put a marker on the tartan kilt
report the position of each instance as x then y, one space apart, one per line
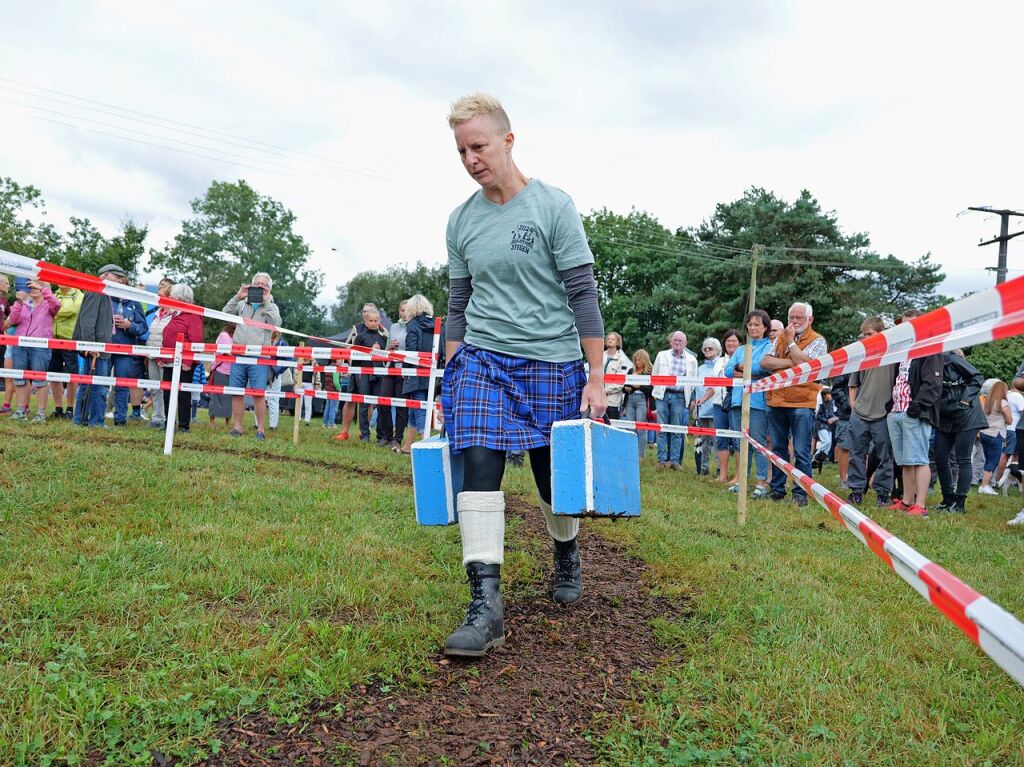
507 403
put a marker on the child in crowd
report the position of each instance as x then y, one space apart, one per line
373 337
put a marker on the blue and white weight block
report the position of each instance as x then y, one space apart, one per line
595 470
437 481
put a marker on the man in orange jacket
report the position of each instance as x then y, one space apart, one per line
791 409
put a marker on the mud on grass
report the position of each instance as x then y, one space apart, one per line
543 698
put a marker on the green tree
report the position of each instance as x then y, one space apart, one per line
387 289
84 248
127 247
807 258
233 233
18 232
999 359
641 276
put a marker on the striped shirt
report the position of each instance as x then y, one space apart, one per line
901 391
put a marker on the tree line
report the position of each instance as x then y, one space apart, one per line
651 280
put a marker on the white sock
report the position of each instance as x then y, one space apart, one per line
562 529
482 525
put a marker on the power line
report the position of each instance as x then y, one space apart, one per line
220 152
259 146
161 146
611 239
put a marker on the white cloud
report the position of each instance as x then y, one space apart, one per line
896 116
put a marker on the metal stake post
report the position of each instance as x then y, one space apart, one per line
432 386
172 405
300 401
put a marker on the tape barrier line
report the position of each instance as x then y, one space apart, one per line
999 634
264 353
236 391
618 379
698 431
20 266
986 316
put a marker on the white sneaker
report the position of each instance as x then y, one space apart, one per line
986 490
1017 520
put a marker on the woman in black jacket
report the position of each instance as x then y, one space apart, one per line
960 420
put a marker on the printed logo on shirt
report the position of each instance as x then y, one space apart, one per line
523 237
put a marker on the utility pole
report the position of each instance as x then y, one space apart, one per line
1003 238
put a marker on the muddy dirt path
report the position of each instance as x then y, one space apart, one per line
563 673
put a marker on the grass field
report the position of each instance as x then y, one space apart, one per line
143 599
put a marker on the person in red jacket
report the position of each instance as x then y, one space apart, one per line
190 328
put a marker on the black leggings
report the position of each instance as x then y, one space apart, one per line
484 468
961 444
184 397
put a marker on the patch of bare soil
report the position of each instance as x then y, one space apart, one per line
563 673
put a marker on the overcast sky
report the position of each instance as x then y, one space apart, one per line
895 115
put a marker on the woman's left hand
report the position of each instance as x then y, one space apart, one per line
594 399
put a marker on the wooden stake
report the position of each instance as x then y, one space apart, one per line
741 501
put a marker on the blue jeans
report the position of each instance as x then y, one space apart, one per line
91 400
330 412
759 431
27 358
722 444
672 410
783 423
125 366
634 408
992 447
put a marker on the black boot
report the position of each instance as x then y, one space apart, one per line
959 505
484 627
568 572
947 501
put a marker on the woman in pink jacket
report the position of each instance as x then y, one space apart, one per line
32 315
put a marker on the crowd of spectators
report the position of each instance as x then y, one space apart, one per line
896 430
68 313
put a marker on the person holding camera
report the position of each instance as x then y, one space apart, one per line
252 302
32 315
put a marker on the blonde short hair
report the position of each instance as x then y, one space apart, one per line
417 305
476 104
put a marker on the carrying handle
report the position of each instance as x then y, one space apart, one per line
603 419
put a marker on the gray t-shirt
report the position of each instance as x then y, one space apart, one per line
513 253
874 391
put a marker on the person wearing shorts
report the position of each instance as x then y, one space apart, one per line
65 360
253 376
522 301
914 414
32 316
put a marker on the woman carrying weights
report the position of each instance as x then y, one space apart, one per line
523 299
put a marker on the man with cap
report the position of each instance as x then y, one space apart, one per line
131 328
95 323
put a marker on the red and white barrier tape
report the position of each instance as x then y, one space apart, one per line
986 316
235 391
619 379
699 431
999 634
20 266
266 353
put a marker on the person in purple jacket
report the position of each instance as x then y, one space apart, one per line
32 316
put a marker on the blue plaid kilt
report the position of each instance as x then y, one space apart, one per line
507 403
